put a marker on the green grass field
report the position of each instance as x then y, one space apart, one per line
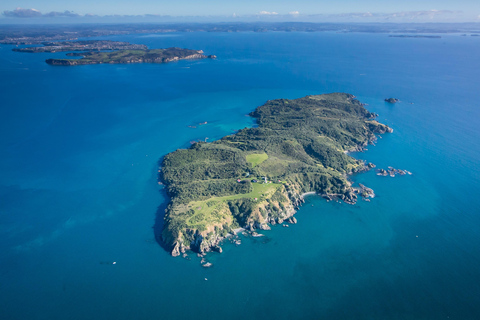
208 211
256 158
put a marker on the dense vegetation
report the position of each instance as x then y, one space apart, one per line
299 145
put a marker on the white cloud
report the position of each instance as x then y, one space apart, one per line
22 13
402 16
66 13
294 13
34 13
268 13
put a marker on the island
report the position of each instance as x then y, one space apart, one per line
414 36
89 45
392 100
257 177
130 56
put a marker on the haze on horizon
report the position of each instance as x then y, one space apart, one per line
51 11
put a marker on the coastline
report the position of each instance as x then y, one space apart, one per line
206 197
308 194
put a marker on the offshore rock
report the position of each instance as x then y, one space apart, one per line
366 192
217 249
392 100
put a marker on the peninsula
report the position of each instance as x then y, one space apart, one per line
257 176
130 56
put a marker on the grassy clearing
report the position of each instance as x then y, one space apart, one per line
256 158
212 210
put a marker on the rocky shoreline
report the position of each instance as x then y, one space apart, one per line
202 245
210 194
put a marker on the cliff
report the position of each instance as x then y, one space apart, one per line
255 178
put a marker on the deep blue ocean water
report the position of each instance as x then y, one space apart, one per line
79 151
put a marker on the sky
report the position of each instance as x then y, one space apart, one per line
301 10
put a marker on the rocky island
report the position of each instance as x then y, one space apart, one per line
392 100
130 56
257 177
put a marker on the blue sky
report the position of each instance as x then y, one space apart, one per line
459 10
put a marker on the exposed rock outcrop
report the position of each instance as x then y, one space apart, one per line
392 100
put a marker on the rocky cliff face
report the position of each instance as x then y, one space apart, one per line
264 215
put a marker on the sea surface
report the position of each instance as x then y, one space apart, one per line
78 191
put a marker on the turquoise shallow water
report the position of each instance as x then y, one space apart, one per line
77 190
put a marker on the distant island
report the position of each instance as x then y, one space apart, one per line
90 45
257 177
414 36
106 51
130 56
20 34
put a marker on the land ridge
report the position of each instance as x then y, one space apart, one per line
255 178
36 34
130 56
86 45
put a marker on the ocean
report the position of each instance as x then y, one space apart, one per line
78 191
